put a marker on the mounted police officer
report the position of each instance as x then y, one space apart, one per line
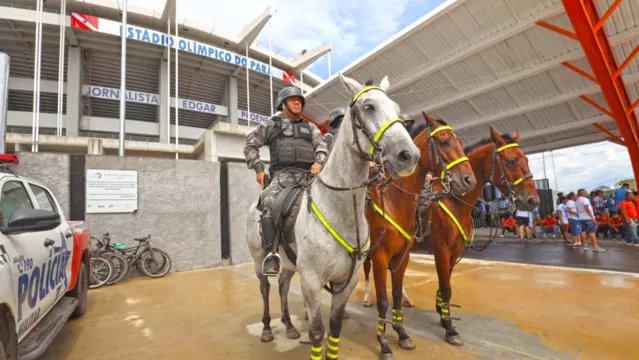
293 143
408 121
334 121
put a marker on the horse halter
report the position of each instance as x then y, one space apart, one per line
436 157
376 150
504 180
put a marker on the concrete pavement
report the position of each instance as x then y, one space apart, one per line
510 311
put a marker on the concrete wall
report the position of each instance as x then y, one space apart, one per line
243 191
50 169
178 204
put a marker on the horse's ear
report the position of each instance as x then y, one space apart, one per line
385 84
351 85
496 137
430 121
515 135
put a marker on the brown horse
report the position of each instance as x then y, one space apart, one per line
497 160
392 235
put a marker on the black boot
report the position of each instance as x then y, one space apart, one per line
271 264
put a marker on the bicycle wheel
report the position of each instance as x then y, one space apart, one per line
156 264
120 267
100 271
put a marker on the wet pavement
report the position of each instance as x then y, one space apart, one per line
510 311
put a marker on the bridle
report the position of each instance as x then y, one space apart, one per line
436 158
504 179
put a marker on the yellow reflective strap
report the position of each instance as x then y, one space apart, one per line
364 90
330 229
316 349
335 340
440 129
392 222
453 164
313 357
332 356
335 234
334 348
507 147
450 214
382 130
381 327
457 162
518 181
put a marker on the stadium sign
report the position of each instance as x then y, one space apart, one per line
92 23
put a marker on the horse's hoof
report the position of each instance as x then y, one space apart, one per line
454 340
388 356
367 303
292 333
267 336
407 344
345 316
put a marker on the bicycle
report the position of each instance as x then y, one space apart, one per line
100 271
118 262
150 261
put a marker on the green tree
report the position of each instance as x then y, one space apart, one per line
630 181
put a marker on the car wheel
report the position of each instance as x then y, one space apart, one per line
81 291
8 336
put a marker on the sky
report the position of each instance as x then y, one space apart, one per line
357 26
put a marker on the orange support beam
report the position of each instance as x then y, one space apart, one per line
599 107
614 138
579 71
633 106
626 62
557 29
603 19
584 19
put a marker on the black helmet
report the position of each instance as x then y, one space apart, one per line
286 93
337 112
406 117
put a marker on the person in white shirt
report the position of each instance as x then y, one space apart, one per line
573 221
562 215
587 221
523 223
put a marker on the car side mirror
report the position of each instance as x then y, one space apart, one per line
31 220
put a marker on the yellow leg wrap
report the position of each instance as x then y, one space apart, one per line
445 310
381 327
332 347
398 317
316 352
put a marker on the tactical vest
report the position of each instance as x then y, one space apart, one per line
290 145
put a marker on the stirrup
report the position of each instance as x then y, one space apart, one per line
279 260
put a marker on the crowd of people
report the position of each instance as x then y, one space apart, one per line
580 218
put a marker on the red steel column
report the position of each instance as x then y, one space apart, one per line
585 21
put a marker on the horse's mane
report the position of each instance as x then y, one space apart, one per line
369 82
423 126
470 148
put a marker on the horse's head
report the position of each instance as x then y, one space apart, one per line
440 145
511 174
373 123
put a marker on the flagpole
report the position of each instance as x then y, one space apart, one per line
248 90
123 78
36 78
270 67
168 81
63 26
177 90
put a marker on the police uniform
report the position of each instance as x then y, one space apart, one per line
334 122
292 144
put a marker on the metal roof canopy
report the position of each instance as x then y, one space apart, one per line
477 63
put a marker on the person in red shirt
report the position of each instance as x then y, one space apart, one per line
629 213
602 224
549 226
510 225
615 224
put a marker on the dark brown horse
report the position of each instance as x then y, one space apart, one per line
497 160
392 235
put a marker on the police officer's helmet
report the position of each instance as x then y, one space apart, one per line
286 93
406 117
335 114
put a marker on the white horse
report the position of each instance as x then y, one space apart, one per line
372 121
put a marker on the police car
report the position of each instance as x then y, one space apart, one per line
44 266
